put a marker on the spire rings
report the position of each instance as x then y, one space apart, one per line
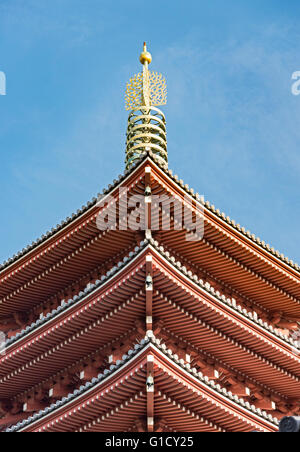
140 119
146 132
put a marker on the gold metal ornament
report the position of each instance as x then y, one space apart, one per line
146 129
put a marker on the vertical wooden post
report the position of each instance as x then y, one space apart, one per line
148 198
150 393
149 273
149 292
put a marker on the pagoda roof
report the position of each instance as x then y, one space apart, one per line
70 219
101 313
90 288
206 204
224 333
226 301
44 334
245 416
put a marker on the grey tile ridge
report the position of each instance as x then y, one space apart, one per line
102 377
77 298
222 298
70 219
149 339
180 183
223 217
211 384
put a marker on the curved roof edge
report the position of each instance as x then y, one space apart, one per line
150 339
185 187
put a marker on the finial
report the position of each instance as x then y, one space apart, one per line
145 57
146 88
146 124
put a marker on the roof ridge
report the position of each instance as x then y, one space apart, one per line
127 259
83 388
90 287
217 387
73 216
149 338
185 187
222 298
224 217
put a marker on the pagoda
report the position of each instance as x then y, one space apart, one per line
148 310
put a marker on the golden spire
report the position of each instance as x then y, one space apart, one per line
145 59
146 124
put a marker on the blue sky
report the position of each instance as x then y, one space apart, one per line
232 122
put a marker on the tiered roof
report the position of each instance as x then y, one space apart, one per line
104 395
222 342
123 330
